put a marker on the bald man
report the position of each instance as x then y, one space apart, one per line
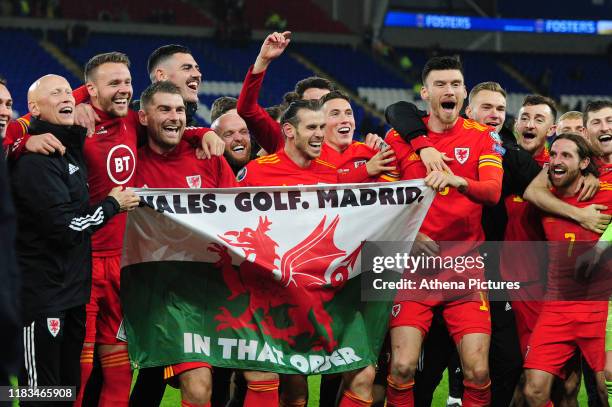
234 132
55 222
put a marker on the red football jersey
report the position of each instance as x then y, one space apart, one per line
279 169
351 163
268 134
111 161
567 241
605 172
180 168
453 216
523 262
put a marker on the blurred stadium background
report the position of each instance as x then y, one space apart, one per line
373 48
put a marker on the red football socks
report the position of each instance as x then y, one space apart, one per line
117 379
350 399
294 403
188 404
261 393
400 394
86 368
476 396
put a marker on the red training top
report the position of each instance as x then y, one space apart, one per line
180 168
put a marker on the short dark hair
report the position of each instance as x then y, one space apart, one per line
334 94
161 54
584 151
3 80
221 106
157 87
290 97
313 82
290 115
441 64
595 106
101 59
534 100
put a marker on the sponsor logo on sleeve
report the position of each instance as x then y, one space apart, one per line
495 137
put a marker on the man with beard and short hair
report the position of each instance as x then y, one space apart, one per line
55 224
598 128
298 163
570 122
573 315
303 124
524 262
590 217
475 180
110 153
176 64
268 132
597 119
109 84
166 161
535 123
487 105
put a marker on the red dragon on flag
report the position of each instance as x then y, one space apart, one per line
300 281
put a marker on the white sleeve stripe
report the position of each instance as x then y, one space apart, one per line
81 228
78 221
94 221
86 219
83 223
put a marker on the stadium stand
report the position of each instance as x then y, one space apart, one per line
302 16
570 80
152 11
587 9
28 62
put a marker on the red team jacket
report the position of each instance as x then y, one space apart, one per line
350 163
180 168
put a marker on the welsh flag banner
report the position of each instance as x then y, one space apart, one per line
261 278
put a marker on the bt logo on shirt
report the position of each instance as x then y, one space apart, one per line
120 164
